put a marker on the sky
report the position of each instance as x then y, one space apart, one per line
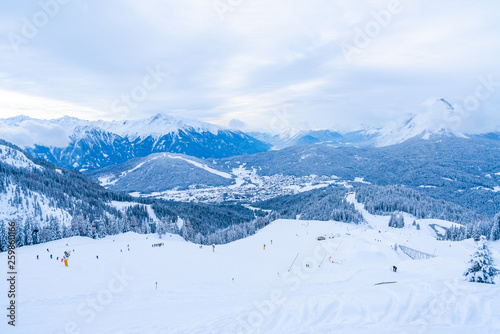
251 64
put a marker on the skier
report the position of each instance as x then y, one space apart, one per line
57 258
394 268
51 256
37 257
47 250
264 246
97 257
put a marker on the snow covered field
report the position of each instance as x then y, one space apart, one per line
331 287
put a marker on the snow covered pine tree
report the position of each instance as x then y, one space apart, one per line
397 220
481 267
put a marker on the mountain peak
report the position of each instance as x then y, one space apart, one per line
436 117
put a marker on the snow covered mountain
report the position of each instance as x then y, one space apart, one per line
440 118
436 118
81 144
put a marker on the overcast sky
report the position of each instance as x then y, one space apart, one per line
254 64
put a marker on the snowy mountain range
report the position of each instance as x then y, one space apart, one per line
84 145
89 145
437 117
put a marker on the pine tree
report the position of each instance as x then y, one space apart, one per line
495 230
476 232
55 228
3 237
187 230
481 267
161 228
145 229
397 220
66 232
76 225
20 237
28 231
36 233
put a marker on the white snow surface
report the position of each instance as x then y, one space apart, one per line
337 293
16 158
8 211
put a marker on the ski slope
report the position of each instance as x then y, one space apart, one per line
337 293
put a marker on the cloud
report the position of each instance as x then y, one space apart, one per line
237 124
263 56
29 133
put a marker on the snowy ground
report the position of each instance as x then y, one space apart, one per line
337 293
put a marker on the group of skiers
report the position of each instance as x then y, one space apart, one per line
158 245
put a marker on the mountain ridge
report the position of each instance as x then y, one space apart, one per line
86 145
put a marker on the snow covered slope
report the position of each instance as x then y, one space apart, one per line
15 158
297 284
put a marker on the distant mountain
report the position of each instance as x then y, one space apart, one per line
86 145
438 117
293 137
160 172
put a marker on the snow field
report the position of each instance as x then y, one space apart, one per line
196 294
